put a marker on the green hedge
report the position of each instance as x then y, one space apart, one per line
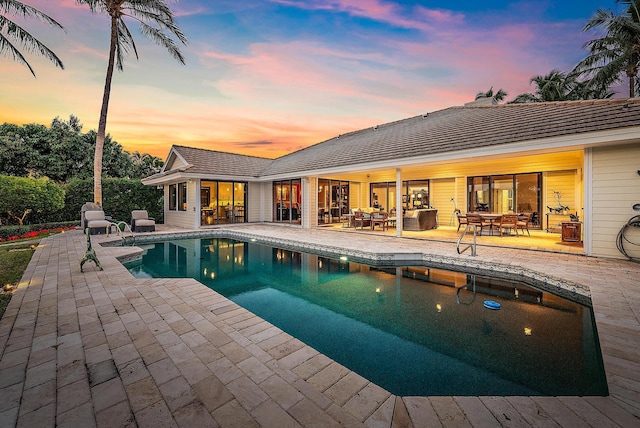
120 196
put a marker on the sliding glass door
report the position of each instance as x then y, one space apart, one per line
333 201
503 194
222 202
287 201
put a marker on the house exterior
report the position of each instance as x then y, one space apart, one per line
549 160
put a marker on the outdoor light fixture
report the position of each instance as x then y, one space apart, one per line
527 331
439 307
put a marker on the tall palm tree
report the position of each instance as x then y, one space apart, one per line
154 17
498 96
12 34
617 52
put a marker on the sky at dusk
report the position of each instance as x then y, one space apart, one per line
267 77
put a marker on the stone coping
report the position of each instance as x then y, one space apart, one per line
564 288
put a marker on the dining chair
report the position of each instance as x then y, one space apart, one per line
475 220
462 219
523 222
508 222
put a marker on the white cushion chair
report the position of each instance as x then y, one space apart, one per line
141 222
96 222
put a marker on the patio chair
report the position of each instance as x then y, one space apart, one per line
462 219
523 222
96 222
141 222
360 217
475 220
379 218
392 217
508 222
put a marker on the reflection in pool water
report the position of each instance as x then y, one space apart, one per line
413 330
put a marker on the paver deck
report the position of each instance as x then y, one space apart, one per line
102 348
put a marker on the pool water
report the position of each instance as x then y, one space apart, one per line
412 330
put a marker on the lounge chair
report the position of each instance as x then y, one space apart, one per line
141 222
96 222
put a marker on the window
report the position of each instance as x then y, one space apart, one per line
178 197
415 195
172 197
182 196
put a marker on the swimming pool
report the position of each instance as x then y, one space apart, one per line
413 330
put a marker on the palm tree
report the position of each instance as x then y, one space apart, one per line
559 86
498 96
12 34
154 17
617 52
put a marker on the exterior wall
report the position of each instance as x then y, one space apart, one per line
266 207
310 202
461 194
614 189
570 195
254 210
190 218
358 194
440 193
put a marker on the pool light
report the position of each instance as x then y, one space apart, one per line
438 307
527 331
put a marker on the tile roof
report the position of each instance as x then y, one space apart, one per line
459 128
448 130
207 162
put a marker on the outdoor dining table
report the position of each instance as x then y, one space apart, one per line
491 218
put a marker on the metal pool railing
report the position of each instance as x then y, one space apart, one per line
472 245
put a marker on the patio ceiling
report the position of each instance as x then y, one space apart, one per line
488 165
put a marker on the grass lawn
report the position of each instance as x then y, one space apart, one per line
13 262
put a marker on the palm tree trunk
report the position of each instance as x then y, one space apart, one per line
632 86
102 125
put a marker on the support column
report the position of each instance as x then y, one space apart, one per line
399 193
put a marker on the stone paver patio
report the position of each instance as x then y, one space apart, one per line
101 348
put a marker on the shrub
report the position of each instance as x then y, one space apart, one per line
11 233
24 198
120 196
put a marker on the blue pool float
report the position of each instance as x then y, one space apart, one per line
490 304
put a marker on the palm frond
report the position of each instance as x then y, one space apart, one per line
163 40
18 8
13 35
8 49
